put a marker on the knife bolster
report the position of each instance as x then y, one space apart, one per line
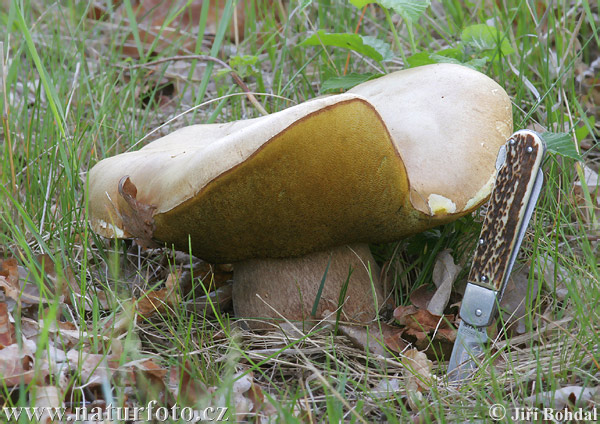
479 305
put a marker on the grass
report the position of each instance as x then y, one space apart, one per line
70 98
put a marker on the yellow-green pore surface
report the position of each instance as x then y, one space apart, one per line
331 178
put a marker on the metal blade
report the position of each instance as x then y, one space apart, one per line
468 345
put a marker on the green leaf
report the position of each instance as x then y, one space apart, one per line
476 63
347 81
383 48
561 144
445 56
582 132
244 65
484 37
246 60
420 59
369 46
361 3
410 10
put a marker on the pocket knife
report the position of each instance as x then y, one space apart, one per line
517 187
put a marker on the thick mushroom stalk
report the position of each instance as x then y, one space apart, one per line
282 195
343 279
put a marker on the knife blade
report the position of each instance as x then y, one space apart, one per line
518 184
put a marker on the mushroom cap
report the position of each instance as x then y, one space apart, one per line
390 158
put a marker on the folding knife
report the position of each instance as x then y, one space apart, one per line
516 190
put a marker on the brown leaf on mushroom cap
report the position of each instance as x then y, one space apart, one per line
138 220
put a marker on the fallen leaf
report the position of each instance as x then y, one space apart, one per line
138 220
92 367
243 405
419 319
6 328
514 303
375 338
554 276
421 296
385 388
427 332
158 301
185 388
46 398
559 399
120 323
16 364
21 285
177 29
445 272
417 372
592 182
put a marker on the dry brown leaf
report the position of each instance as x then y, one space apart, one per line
392 337
417 372
92 366
138 220
16 364
421 296
151 15
7 331
514 302
373 339
385 388
120 323
592 181
402 314
159 301
185 388
427 332
149 367
554 276
18 282
419 319
561 398
47 397
243 405
222 298
445 272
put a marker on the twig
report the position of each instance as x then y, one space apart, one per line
207 58
362 15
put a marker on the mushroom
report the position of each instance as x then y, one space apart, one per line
294 198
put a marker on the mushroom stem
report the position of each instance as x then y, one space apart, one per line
274 288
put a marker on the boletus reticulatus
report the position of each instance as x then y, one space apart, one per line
286 196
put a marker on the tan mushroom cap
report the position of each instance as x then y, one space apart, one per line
390 158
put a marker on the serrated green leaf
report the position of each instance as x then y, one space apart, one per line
419 59
411 10
246 60
444 56
383 48
477 63
561 144
347 81
484 37
369 46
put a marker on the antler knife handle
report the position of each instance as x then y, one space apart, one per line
509 206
